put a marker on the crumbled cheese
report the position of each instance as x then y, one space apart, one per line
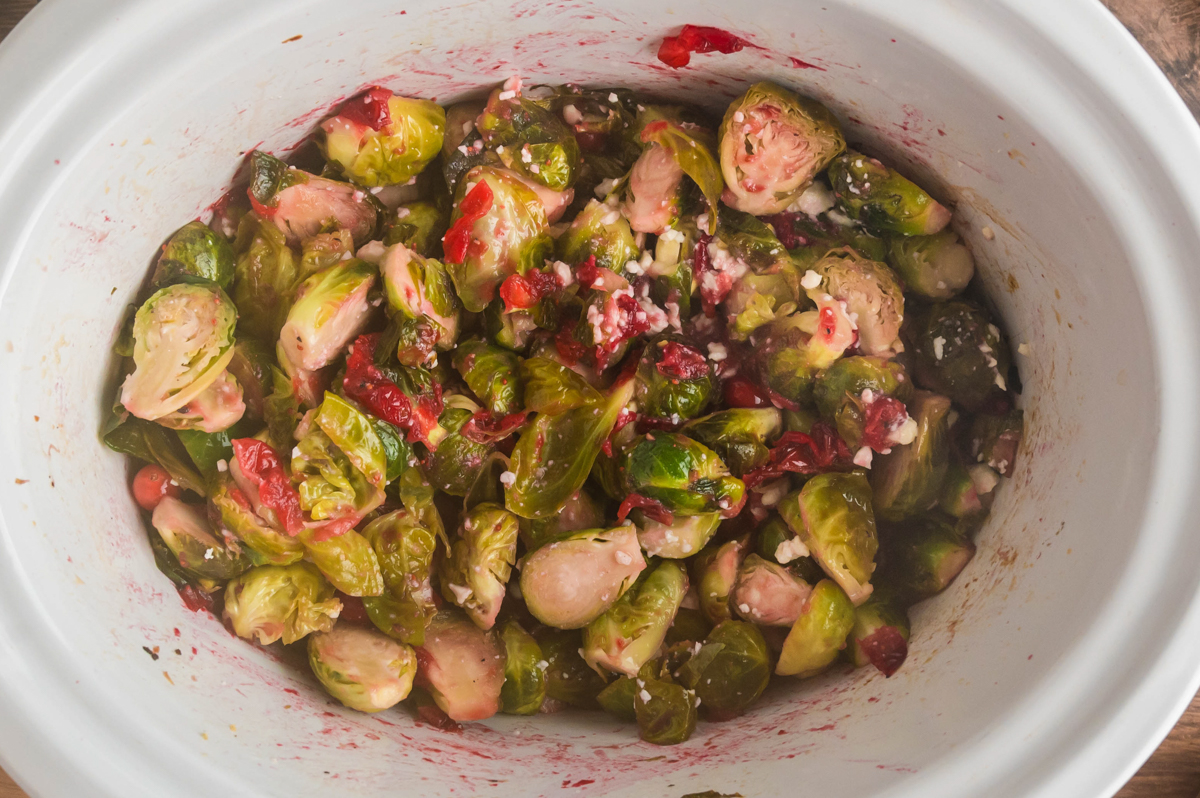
571 115
738 116
222 466
645 696
790 549
868 396
461 593
633 267
774 492
939 344
988 233
507 95
1023 349
673 316
376 189
605 187
984 479
295 451
462 148
526 155
905 433
839 218
612 96
610 218
863 457
717 352
744 608
402 213
810 280
507 479
1000 383
563 272
535 169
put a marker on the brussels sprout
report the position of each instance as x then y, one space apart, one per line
398 452
330 311
773 143
740 436
362 668
491 373
880 635
691 148
378 139
460 124
265 277
684 476
960 353
715 572
568 677
461 666
730 670
968 492
499 228
819 633
832 515
524 672
331 488
871 293
786 366
689 626
233 508
681 538
924 556
756 300
456 464
273 602
480 561
618 697
599 231
673 379
666 712
994 440
581 511
573 580
251 367
552 459
194 254
419 226
405 551
652 194
552 388
152 443
420 288
935 267
629 633
768 594
183 340
281 411
186 532
347 561
529 139
301 205
217 408
909 479
849 394
324 250
883 200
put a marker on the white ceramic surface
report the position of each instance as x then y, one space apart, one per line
1051 668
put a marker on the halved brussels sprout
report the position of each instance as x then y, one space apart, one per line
347 561
552 388
666 712
880 635
833 517
882 199
768 594
524 672
679 539
185 530
652 195
629 632
273 602
234 510
456 464
554 455
570 582
909 479
499 228
959 352
194 253
217 408
378 139
491 373
854 395
582 511
301 205
330 311
352 431
994 440
331 488
419 226
599 231
183 340
730 670
568 678
686 477
740 435
715 572
819 633
936 267
673 379
773 143
420 289
871 294
529 139
461 666
924 556
265 277
362 668
480 561
251 367
405 550
691 147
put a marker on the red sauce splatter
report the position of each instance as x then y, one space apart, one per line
798 64
681 362
826 727
886 648
474 205
291 690
261 465
369 108
818 451
676 51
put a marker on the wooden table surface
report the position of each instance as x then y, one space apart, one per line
1170 32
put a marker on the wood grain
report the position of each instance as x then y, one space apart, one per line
1170 32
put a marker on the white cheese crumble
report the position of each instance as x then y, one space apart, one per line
773 492
645 696
810 280
507 95
526 155
222 466
563 272
939 345
612 96
744 608
605 187
988 233
717 352
863 457
904 434
738 116
571 115
461 593
790 549
507 479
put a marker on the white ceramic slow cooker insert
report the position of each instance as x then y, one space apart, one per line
1052 667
